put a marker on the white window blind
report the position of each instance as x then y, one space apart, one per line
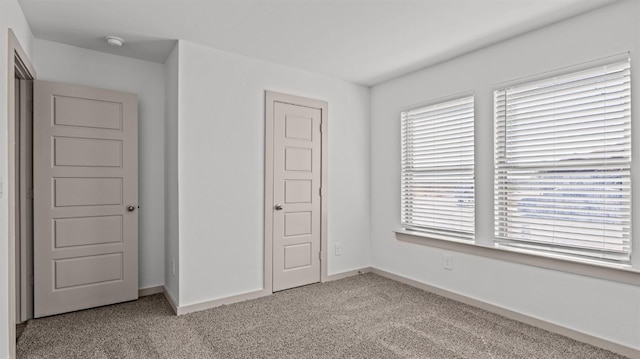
562 163
437 169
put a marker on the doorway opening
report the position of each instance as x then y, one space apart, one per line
20 184
23 191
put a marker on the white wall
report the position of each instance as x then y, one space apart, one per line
11 16
171 246
605 309
221 169
68 64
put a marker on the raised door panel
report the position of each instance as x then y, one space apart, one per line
297 223
88 191
87 152
87 112
87 270
298 256
82 231
298 191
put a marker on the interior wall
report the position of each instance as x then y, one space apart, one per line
605 309
171 249
69 64
221 169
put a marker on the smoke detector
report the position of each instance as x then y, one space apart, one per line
115 41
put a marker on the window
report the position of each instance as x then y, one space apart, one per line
437 169
562 163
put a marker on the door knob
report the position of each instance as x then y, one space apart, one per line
278 207
131 208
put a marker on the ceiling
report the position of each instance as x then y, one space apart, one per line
362 41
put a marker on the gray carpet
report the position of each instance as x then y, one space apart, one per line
366 316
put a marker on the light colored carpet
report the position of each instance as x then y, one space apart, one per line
366 316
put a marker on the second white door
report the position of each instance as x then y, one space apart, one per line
296 195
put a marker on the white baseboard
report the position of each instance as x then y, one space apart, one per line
552 327
143 292
346 274
197 307
180 310
172 301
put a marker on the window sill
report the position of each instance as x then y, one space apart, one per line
591 268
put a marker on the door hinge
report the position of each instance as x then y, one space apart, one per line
30 193
320 191
320 255
320 127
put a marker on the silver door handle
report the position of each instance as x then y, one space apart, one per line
278 207
131 208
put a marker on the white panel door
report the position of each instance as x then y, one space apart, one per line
85 197
296 194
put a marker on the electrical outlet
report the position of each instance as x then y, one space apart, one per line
448 263
338 248
173 268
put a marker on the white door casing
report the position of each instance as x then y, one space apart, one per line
296 201
85 197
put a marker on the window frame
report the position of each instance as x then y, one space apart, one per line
549 250
441 100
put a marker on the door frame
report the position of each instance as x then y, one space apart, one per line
18 64
271 98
